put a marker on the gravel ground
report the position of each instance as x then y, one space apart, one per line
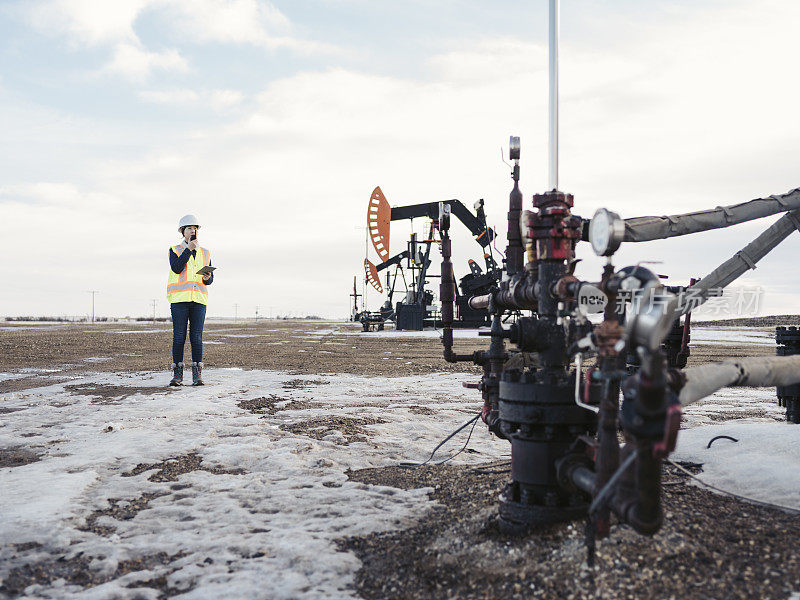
711 547
769 321
294 346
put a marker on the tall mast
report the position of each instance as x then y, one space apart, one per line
553 112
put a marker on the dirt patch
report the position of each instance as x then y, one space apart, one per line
77 571
27 383
266 344
111 394
422 410
121 510
299 384
17 456
273 404
269 345
456 551
171 468
732 415
351 429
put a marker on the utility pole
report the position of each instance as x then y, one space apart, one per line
235 313
153 302
93 292
256 313
366 253
270 312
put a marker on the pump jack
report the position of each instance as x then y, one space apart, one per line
413 312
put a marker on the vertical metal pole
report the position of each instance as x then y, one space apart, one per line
93 292
553 112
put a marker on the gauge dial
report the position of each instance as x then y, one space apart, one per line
606 231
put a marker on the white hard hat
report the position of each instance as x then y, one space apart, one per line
188 220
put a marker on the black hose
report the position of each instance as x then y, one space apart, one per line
720 437
472 421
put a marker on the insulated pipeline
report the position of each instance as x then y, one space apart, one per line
740 262
755 372
644 229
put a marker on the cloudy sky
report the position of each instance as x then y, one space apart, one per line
273 122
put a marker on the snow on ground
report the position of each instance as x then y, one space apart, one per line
717 336
265 533
116 331
763 464
267 528
425 333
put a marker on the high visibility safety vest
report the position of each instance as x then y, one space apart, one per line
188 286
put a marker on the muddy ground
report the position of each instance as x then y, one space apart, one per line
711 547
301 347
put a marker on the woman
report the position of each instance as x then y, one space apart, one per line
188 295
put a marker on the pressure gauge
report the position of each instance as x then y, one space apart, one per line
513 148
606 232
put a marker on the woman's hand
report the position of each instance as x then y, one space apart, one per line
192 245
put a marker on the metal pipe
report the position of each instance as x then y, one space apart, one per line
578 364
646 515
480 302
583 478
553 106
514 249
447 294
644 229
762 371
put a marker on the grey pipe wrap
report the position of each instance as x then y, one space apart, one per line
644 229
739 263
754 372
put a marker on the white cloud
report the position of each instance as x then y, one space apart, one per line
218 100
221 99
91 22
88 21
650 125
489 59
234 21
136 63
176 97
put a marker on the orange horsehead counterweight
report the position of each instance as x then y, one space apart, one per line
379 215
371 271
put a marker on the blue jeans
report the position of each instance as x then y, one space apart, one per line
195 314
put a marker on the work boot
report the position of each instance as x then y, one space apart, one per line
177 374
197 373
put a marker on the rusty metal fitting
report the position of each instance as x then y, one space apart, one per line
553 197
676 379
562 287
608 333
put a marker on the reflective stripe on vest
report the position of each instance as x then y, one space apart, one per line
188 286
182 287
